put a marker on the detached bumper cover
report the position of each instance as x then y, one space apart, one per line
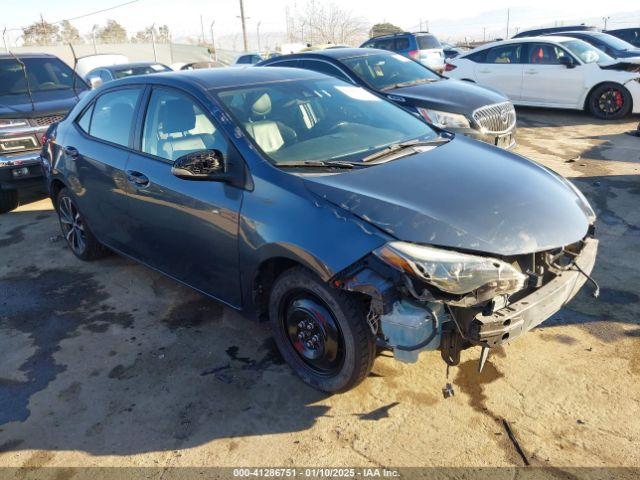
510 322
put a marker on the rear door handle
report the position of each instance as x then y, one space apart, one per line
137 179
71 151
531 72
485 70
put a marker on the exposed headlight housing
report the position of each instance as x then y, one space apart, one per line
6 123
444 119
453 272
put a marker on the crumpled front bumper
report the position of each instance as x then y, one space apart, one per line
519 317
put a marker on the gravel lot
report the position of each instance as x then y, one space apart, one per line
111 364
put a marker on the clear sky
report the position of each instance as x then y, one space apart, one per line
445 17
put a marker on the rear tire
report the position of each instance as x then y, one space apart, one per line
75 230
321 332
609 101
9 200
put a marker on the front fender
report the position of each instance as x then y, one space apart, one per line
289 222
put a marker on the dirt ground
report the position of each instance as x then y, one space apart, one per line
111 364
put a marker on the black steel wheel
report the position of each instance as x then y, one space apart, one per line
610 101
75 230
321 331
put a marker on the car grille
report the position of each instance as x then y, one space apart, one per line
497 118
45 121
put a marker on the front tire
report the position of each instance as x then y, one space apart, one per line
75 230
8 200
610 101
321 332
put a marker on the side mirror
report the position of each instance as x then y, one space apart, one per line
95 82
567 61
207 165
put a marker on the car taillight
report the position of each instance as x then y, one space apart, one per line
448 67
415 54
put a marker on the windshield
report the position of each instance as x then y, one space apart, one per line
585 52
44 74
142 70
614 42
386 71
320 120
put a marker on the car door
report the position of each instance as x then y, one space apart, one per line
99 146
187 229
549 82
500 67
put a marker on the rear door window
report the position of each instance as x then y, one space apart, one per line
504 54
402 43
323 67
427 42
544 54
113 115
385 44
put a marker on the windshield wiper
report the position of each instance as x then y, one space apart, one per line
408 83
396 147
316 164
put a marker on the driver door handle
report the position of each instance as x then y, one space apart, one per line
137 179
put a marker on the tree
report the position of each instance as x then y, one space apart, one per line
383 29
162 35
328 23
69 33
41 33
112 32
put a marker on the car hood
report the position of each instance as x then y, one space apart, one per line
46 103
449 95
463 195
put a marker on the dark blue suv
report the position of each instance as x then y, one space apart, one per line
421 46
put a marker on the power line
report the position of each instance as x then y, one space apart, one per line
84 15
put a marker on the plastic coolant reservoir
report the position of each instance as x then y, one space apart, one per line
410 324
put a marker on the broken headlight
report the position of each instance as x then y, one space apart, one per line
453 272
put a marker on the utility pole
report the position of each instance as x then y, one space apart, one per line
420 29
213 42
153 42
484 34
605 19
201 29
93 37
508 17
258 33
244 26
427 25
4 39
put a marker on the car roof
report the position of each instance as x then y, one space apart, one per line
27 55
335 53
398 34
548 38
222 78
119 66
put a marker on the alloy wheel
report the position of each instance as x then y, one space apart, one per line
610 101
72 225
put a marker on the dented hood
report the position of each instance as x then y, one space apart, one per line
465 195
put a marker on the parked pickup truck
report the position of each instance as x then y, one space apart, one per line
36 90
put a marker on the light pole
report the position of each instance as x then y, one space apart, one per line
244 26
4 39
213 42
605 19
258 33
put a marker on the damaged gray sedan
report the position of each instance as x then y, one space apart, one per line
346 222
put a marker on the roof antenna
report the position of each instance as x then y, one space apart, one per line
26 77
75 74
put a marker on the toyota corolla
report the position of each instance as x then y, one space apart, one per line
346 222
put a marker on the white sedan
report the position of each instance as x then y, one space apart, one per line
556 72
